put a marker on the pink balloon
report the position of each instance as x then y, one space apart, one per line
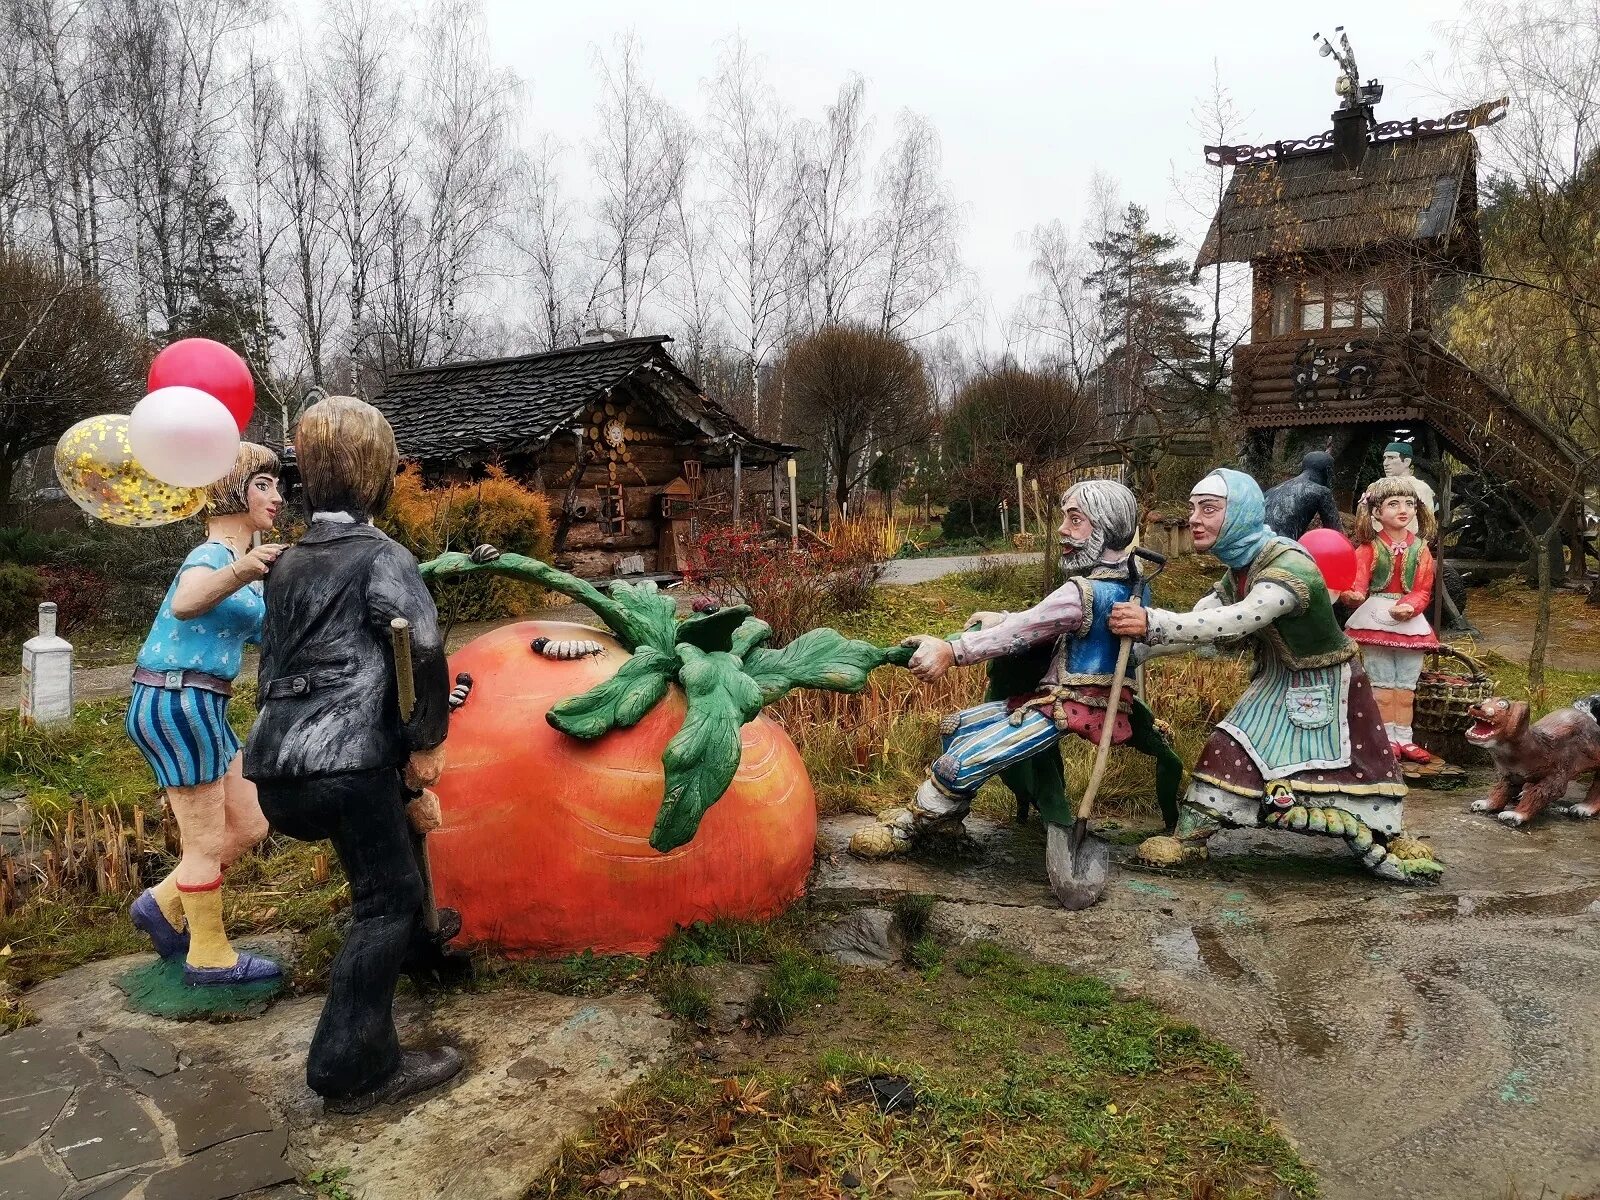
183 436
1334 555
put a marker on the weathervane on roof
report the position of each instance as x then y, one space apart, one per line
1352 93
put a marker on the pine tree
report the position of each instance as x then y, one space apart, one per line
220 303
1152 358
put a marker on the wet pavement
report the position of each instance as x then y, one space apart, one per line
1436 1043
100 1102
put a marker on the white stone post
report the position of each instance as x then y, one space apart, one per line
1022 511
46 673
794 512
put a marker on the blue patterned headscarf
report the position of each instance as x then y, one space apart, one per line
1244 526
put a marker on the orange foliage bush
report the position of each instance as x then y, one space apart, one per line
495 509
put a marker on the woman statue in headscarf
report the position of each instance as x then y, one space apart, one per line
1304 749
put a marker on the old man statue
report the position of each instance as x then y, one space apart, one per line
1079 652
1304 749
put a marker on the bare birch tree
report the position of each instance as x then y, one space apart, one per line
639 156
915 229
757 205
835 246
545 237
468 164
303 187
360 63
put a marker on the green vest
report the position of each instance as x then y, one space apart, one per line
1310 636
1383 567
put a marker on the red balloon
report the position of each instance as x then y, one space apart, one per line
1334 555
211 367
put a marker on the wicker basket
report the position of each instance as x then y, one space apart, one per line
1440 719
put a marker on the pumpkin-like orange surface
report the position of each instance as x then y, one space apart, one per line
545 847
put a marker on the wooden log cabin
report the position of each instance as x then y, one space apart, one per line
1355 237
620 439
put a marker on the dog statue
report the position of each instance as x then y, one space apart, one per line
1536 763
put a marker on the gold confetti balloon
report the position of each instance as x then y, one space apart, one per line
96 467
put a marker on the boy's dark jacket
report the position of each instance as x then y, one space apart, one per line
328 701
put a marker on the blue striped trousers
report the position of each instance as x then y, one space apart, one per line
985 742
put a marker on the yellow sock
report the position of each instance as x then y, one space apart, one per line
208 942
170 901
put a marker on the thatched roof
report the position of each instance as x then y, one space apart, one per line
471 412
1411 190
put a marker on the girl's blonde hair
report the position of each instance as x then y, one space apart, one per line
230 494
1372 499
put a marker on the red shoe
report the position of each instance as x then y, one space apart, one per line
1411 752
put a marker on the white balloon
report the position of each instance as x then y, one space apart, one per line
183 436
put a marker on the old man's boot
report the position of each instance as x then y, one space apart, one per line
931 808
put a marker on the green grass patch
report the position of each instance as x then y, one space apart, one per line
797 981
1028 1079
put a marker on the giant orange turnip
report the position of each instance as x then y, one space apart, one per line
599 803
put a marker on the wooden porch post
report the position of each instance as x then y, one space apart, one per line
777 503
738 479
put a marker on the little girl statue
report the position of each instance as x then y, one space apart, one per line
1393 584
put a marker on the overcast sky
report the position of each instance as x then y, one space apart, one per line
1030 98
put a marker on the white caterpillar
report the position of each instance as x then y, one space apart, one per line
574 648
462 689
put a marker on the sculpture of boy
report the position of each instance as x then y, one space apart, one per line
1101 518
1304 749
330 750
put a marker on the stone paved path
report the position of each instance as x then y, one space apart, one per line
1418 1044
903 571
115 1114
96 1101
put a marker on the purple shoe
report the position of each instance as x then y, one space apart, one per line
148 918
249 969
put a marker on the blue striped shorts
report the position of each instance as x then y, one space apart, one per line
183 734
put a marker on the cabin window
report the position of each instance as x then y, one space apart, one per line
1283 310
1312 308
1336 303
1373 304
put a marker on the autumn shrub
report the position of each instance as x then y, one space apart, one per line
21 589
495 509
82 597
792 590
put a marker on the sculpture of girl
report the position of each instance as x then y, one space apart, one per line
178 717
1392 588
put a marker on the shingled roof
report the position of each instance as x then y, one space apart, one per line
468 412
1407 190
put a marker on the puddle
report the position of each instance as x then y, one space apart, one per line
1177 949
1197 949
1215 955
1301 1033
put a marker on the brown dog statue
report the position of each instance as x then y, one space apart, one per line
1535 763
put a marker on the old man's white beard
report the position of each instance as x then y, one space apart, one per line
1080 556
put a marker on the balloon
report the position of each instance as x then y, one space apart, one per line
1334 555
97 468
183 436
212 368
